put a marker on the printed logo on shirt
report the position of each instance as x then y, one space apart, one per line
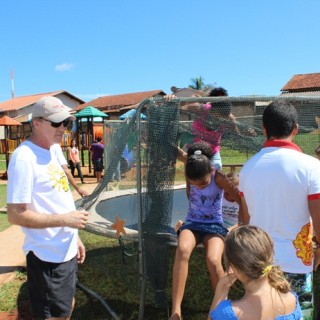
303 245
58 177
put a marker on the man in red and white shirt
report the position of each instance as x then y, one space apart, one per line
280 188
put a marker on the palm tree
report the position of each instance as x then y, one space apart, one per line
197 83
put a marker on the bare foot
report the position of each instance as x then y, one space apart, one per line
175 316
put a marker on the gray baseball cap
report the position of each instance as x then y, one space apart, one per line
52 109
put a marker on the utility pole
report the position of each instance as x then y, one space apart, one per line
12 84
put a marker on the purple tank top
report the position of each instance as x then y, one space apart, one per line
205 205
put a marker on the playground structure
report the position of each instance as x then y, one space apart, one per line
155 174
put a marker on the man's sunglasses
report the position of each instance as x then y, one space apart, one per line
58 124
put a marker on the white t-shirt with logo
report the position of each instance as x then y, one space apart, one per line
230 213
277 183
57 152
37 179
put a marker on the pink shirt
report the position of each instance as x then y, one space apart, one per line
74 154
204 134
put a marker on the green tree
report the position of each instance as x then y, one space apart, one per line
197 83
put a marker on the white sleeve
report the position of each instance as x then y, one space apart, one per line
20 182
58 154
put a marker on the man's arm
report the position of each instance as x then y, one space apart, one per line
19 214
245 212
81 192
182 156
314 208
81 251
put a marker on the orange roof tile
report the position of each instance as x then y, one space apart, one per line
7 121
24 101
119 101
303 82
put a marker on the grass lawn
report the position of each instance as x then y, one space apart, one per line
3 195
2 162
3 200
117 281
105 273
4 224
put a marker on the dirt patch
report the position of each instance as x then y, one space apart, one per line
22 313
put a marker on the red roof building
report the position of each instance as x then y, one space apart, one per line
309 82
21 107
116 105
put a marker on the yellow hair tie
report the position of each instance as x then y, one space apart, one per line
267 269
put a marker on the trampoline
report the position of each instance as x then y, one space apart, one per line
123 204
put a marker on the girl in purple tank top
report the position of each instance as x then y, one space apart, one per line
203 222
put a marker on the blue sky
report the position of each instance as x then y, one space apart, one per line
105 47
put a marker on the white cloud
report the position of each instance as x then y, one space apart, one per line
63 67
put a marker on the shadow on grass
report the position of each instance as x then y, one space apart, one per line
116 279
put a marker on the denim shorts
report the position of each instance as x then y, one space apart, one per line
201 229
51 287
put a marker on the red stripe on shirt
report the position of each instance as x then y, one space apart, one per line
314 196
281 144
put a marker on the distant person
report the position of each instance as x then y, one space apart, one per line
203 223
96 151
280 188
117 172
74 159
39 199
56 149
230 208
248 257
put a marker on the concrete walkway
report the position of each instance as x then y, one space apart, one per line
11 254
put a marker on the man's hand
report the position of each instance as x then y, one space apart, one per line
81 252
82 192
77 219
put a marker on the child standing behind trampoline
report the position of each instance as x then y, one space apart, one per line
230 208
203 223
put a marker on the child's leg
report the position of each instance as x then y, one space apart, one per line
186 244
214 249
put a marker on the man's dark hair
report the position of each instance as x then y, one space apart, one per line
279 119
221 107
99 139
218 92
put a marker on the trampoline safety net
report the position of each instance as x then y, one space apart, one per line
145 152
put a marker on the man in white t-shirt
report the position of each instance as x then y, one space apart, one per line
280 188
40 201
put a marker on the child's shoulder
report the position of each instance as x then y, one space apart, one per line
219 175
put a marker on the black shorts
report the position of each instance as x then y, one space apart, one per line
97 164
51 287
